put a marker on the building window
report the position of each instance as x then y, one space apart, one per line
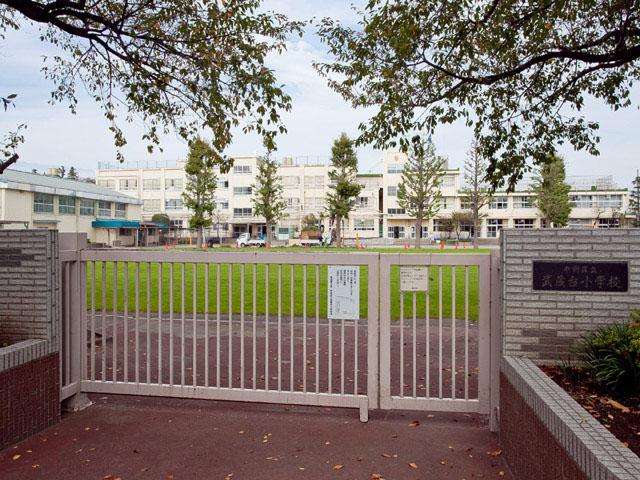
242 190
362 202
580 222
173 183
523 202
66 205
222 204
609 201
173 204
313 203
121 210
446 203
523 222
87 207
493 227
448 181
104 208
242 212
151 205
395 168
42 203
396 211
499 203
151 184
581 201
242 169
314 181
292 202
395 232
128 184
111 184
125 232
223 183
364 224
176 224
392 190
290 181
608 223
424 230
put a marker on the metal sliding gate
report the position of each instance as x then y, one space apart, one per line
254 326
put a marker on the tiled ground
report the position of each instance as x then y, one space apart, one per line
141 437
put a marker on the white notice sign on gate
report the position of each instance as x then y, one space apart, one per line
414 279
343 292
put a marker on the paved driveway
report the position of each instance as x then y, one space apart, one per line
140 437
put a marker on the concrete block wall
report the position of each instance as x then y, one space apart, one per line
29 323
544 325
546 434
29 304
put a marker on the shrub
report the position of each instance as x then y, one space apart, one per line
612 357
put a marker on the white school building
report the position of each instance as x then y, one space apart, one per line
31 200
597 202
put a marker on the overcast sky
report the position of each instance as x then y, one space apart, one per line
55 136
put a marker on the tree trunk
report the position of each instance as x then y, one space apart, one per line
476 229
338 231
267 239
199 235
418 229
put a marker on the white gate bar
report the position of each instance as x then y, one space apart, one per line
194 337
171 270
234 394
125 337
159 323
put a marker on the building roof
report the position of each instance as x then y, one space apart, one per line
34 182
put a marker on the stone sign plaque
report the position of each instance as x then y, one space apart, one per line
414 279
581 276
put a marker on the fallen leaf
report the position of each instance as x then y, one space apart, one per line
415 423
386 455
618 405
495 453
337 466
376 476
16 456
413 465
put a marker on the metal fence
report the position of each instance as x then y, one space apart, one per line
254 326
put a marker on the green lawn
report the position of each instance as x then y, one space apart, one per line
285 304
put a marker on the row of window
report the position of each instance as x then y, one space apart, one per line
596 201
44 203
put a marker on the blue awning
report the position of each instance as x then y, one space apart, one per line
108 223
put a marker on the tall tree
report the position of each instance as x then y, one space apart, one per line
552 193
419 190
518 72
460 220
72 173
634 201
476 193
176 64
267 194
343 187
200 188
61 171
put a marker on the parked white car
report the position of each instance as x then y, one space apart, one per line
244 240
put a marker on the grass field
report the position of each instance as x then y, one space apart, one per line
149 276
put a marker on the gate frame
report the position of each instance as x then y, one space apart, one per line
364 402
73 256
483 403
